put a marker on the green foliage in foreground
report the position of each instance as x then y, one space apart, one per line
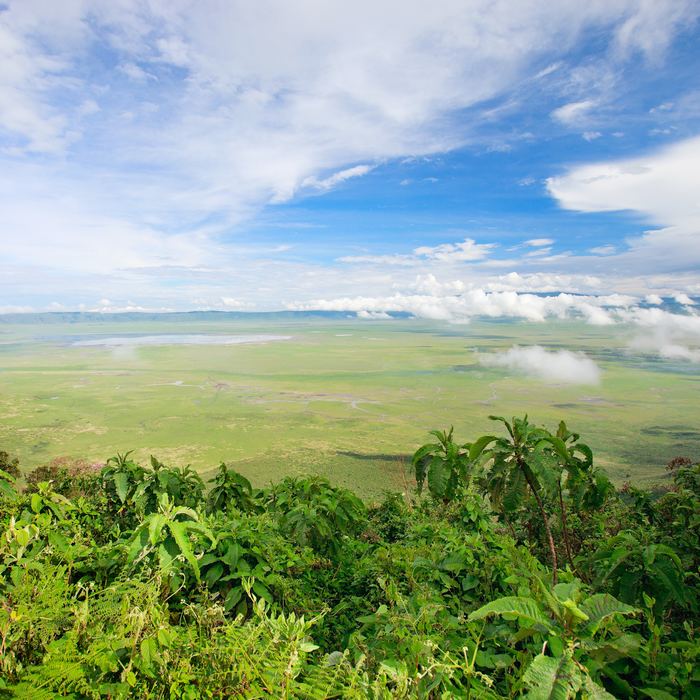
137 581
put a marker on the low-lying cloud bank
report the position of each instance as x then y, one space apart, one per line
670 336
665 333
559 366
477 302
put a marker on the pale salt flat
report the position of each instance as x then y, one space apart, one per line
174 339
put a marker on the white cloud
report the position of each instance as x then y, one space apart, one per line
653 299
684 299
537 242
232 303
573 113
663 185
668 335
558 366
538 253
253 107
545 282
337 178
206 112
603 250
373 315
135 72
649 30
15 309
467 250
462 307
407 260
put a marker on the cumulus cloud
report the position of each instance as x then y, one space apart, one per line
477 302
545 282
467 250
684 299
558 366
538 242
663 187
668 335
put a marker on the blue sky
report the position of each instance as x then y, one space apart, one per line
450 159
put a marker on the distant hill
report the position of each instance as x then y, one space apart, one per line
99 317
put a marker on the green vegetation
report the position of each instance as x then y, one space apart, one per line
517 571
344 398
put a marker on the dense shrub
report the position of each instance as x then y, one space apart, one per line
133 582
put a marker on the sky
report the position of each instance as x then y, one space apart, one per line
450 159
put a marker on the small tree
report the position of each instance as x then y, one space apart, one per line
519 463
444 464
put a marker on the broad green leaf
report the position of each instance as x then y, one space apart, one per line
525 609
22 536
657 694
180 536
654 550
595 691
59 542
233 597
559 447
165 557
479 446
208 558
36 502
394 668
514 491
602 606
587 453
670 575
213 574
616 647
121 485
575 611
138 543
424 451
548 678
262 591
546 470
149 652
505 422
567 591
438 476
155 526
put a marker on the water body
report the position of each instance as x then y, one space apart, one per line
178 339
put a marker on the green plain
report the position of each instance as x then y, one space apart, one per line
347 398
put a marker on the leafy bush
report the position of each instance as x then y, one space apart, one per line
313 513
69 477
230 490
9 465
140 586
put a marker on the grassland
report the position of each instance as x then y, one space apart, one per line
348 398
